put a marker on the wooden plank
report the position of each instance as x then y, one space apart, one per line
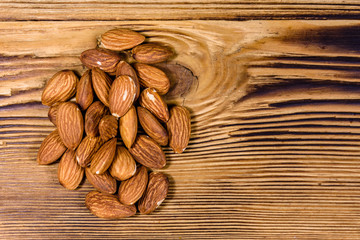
11 10
274 152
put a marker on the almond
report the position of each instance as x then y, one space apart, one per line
108 127
123 166
132 189
151 53
152 77
147 152
86 149
85 93
101 83
52 113
70 173
122 95
60 88
70 123
107 206
51 148
153 102
121 39
152 126
103 182
93 116
103 158
179 128
123 68
104 59
155 193
128 125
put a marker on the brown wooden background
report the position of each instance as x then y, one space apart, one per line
275 101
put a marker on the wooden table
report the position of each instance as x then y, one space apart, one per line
275 104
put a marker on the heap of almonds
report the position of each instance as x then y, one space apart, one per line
119 90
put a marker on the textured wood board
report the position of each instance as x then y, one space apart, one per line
275 147
11 10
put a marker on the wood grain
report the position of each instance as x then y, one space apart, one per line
274 152
11 10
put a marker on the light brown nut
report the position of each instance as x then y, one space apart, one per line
123 68
70 123
93 116
123 166
84 92
152 126
122 95
60 88
131 190
103 158
51 148
152 77
101 84
70 173
147 152
153 102
52 113
104 59
108 127
179 128
155 193
86 149
151 53
107 206
120 39
104 183
128 125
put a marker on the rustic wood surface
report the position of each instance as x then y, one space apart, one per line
177 9
275 109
